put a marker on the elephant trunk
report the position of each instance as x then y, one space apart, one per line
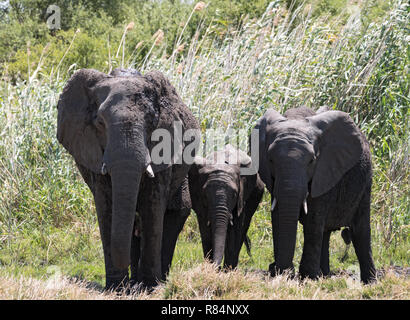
125 159
234 240
125 185
284 223
219 225
285 216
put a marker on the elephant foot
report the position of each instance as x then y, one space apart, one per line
274 270
305 274
325 272
368 277
141 287
117 283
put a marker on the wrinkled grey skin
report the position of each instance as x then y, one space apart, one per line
108 119
224 202
325 159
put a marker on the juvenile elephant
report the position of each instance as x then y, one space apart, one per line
224 202
105 122
318 169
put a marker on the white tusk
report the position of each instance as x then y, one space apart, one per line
150 172
305 206
103 169
273 204
208 223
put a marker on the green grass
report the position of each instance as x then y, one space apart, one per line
285 58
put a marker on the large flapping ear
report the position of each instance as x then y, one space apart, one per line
340 149
270 117
77 107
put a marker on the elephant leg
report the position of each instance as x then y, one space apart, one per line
174 221
152 210
115 278
312 248
206 236
361 239
324 256
135 254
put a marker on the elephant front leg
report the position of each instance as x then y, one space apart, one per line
312 248
205 232
115 279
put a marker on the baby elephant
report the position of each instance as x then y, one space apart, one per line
224 202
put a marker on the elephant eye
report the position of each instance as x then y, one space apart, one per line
98 122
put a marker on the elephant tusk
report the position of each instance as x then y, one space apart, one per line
150 172
208 223
273 204
305 208
103 169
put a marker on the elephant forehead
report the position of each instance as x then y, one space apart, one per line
221 169
125 85
301 128
292 147
221 180
231 157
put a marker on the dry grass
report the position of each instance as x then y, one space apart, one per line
204 282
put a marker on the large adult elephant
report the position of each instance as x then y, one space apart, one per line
317 168
224 202
105 122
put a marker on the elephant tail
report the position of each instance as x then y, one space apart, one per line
248 245
347 235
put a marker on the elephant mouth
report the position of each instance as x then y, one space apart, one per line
304 203
148 170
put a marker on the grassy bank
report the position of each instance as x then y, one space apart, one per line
204 282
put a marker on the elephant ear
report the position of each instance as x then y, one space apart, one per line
241 193
196 181
270 117
246 186
339 147
77 107
322 109
237 156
